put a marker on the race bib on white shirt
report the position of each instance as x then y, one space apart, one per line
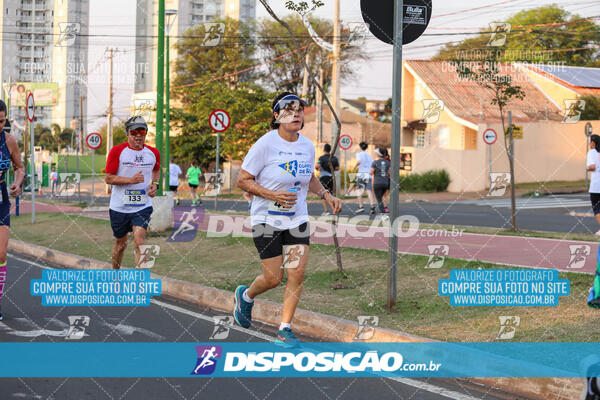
134 197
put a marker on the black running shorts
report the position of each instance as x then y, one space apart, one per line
269 241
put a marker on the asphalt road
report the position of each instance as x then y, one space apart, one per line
540 217
165 320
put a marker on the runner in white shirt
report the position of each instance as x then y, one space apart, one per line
278 171
134 170
174 173
363 178
593 165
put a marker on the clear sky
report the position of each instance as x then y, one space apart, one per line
374 77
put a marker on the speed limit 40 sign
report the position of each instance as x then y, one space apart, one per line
93 140
345 142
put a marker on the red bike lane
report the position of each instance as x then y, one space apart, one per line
563 255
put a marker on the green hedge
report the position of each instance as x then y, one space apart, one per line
430 181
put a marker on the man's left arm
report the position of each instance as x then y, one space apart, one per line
152 189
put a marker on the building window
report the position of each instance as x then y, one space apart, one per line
420 138
443 137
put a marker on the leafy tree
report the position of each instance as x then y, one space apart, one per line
487 74
119 136
287 72
199 63
591 112
249 107
557 31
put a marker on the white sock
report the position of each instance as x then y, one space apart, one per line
284 325
246 297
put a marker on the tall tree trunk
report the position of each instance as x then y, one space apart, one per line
333 113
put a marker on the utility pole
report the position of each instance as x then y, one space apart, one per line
79 144
319 100
109 111
160 89
335 79
305 77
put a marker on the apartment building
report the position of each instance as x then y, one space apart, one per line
190 13
44 49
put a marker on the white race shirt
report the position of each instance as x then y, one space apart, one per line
365 162
174 172
592 159
278 164
125 161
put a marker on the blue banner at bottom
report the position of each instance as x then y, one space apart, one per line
221 359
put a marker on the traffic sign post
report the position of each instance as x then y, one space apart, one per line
93 141
489 137
30 116
219 121
345 144
394 23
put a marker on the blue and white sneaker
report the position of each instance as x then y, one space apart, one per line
242 313
286 338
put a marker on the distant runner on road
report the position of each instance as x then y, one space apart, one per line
593 165
193 177
9 152
133 169
174 174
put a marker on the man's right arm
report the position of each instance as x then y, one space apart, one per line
118 180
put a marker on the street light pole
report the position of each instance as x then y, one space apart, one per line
160 88
169 14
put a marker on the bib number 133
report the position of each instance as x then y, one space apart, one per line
133 198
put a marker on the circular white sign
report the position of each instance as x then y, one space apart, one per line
93 140
30 107
490 136
219 120
345 142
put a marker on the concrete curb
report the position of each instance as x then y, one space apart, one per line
308 323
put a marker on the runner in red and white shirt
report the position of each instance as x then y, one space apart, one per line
133 169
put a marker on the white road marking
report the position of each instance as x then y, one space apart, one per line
435 389
212 321
130 330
